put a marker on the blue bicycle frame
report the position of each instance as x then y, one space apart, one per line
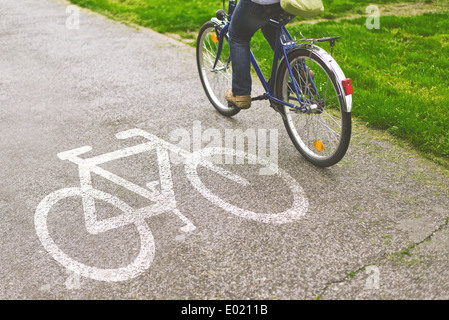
281 50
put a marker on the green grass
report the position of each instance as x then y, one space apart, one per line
339 8
399 72
161 15
183 16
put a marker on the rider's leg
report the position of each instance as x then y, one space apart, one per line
248 17
269 31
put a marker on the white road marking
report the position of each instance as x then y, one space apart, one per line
163 197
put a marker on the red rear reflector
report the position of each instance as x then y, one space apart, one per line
347 86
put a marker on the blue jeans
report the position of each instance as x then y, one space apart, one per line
249 17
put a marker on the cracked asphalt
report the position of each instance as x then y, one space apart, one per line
376 225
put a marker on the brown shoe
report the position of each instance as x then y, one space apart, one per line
241 102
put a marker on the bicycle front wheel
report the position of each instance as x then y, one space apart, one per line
140 264
215 80
322 133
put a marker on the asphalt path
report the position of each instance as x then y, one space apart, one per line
372 227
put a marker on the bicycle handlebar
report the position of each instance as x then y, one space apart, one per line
73 153
131 133
151 138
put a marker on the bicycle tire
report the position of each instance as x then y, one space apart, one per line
132 270
299 204
214 82
321 136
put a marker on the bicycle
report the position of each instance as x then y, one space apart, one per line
160 192
309 90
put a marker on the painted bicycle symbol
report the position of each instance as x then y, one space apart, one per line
160 193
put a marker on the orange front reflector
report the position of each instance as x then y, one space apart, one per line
318 145
214 38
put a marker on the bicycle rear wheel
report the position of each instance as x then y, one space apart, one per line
216 80
323 133
296 210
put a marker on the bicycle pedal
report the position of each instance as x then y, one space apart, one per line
188 228
231 105
261 97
